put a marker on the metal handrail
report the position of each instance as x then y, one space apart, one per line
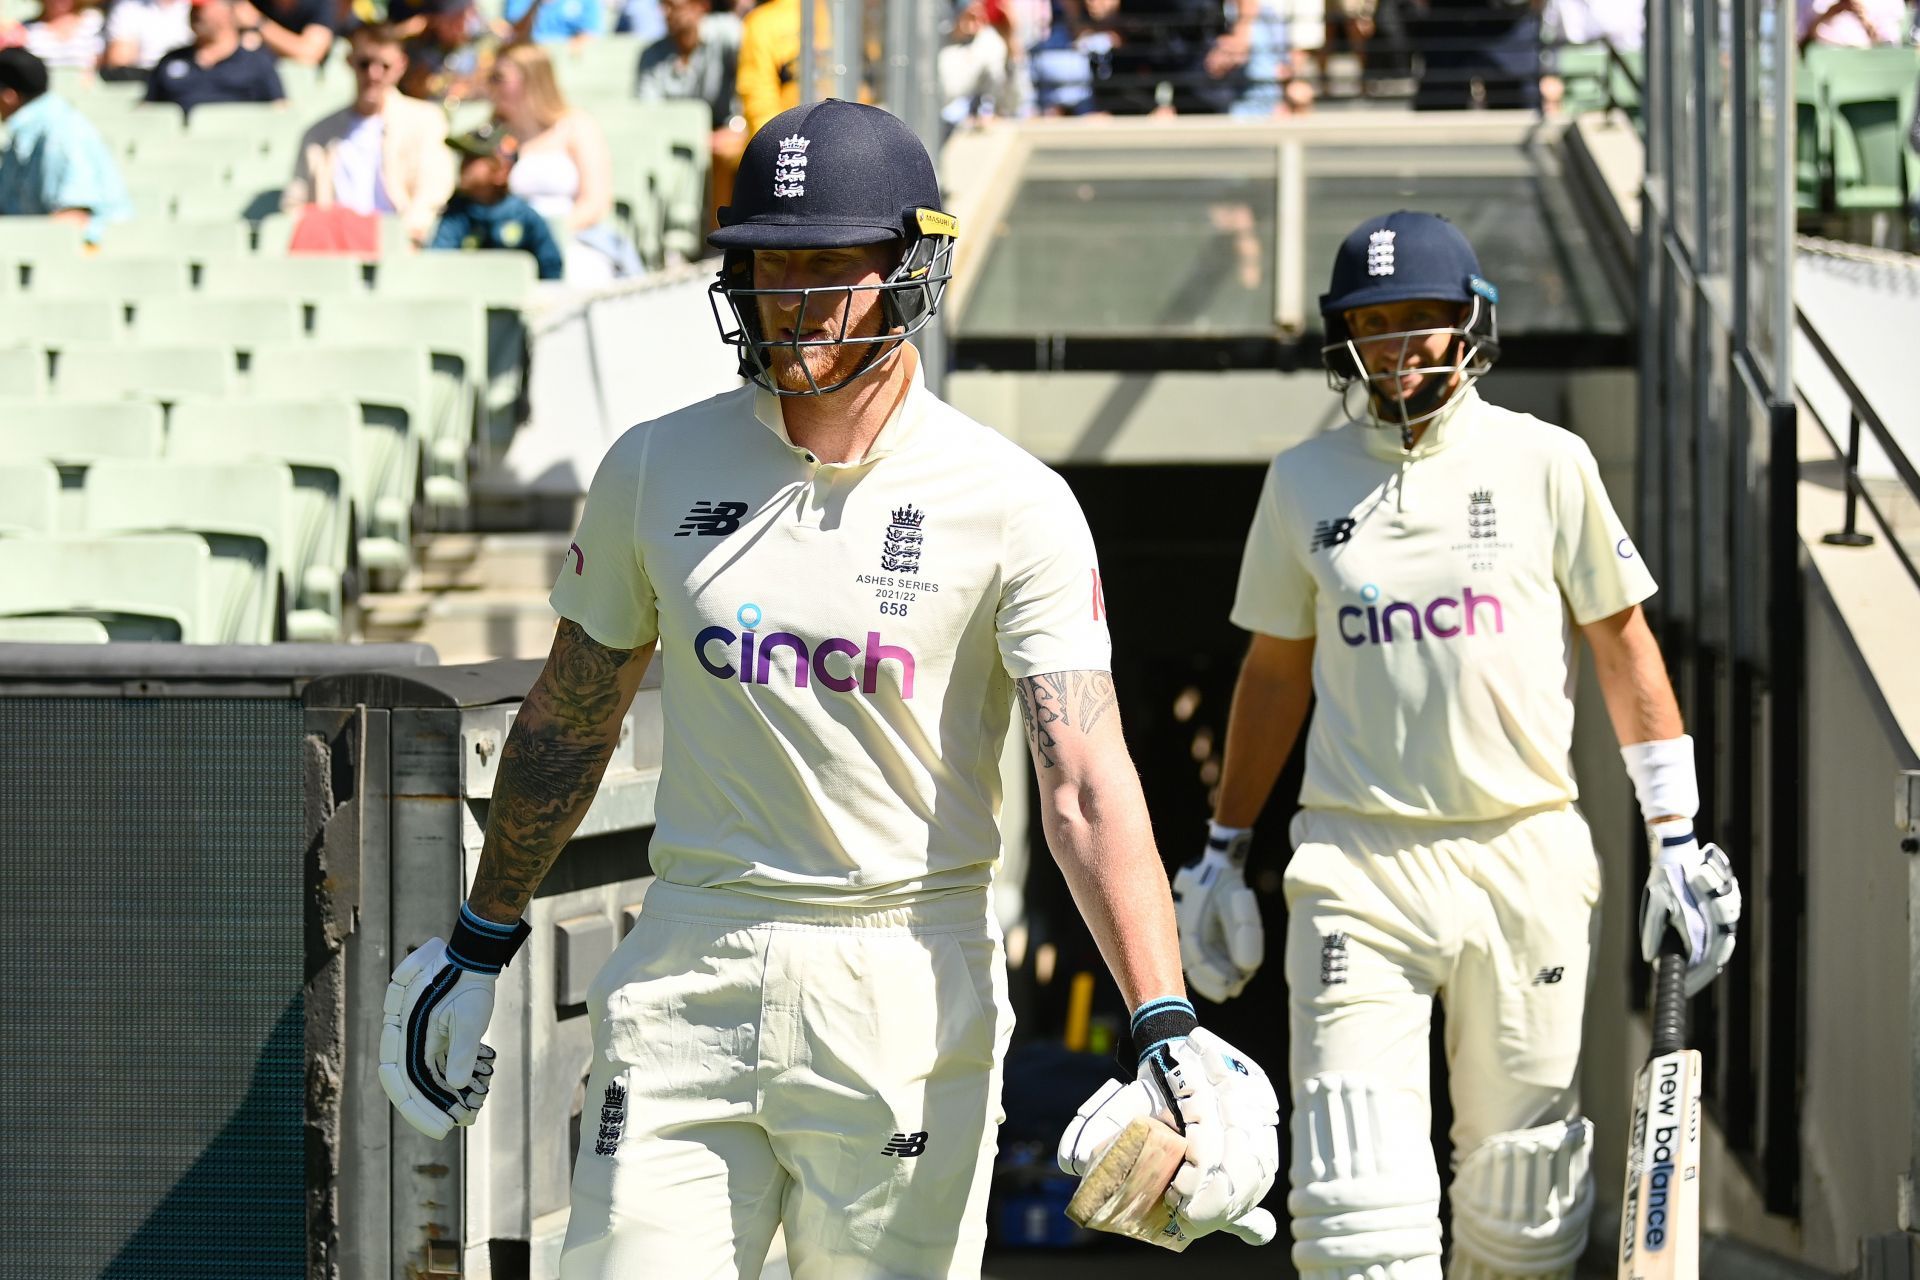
1860 413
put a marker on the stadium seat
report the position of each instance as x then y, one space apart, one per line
315 440
152 195
244 126
128 132
94 371
454 333
1811 145
304 278
23 373
390 385
77 433
194 240
55 322
127 279
53 630
31 240
239 508
137 588
600 68
240 324
1864 94
502 281
29 499
1583 70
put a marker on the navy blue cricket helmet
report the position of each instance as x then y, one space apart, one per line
828 175
1401 257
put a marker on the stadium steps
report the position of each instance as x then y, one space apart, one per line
472 596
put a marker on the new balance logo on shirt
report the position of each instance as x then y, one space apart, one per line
906 1144
712 519
1332 533
1547 977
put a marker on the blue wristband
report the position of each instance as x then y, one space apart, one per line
1159 1024
483 946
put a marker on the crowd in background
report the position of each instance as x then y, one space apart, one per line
387 151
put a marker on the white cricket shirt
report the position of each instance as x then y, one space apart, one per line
839 640
1441 587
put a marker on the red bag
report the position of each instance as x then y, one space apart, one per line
336 230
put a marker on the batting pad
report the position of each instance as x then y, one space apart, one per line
1126 1190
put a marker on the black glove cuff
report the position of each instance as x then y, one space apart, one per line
1157 1025
482 946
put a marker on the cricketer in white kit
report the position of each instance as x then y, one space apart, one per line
1421 570
849 584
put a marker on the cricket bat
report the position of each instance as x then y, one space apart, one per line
1125 1191
1660 1212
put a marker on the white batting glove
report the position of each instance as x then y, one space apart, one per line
1691 890
433 1065
1222 941
1218 1098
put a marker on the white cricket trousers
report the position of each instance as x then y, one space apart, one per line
758 1063
1498 919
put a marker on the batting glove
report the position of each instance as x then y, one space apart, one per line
1221 938
1690 890
1213 1094
433 1065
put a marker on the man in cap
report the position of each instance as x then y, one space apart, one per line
850 585
1417 570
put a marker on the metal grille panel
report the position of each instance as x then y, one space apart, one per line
151 1033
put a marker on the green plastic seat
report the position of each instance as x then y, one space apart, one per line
500 280
32 240
77 433
196 240
240 125
1812 141
305 278
93 371
127 279
54 630
391 386
239 508
1865 95
240 324
316 441
599 68
454 333
151 587
151 127
23 373
29 498
55 322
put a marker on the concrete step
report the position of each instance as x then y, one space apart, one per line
482 561
476 626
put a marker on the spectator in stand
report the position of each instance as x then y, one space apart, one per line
1176 57
1853 24
1282 41
383 152
563 167
217 67
298 30
698 57
12 34
443 56
484 213
643 20
55 163
1478 53
1620 23
769 77
141 32
68 33
976 64
553 22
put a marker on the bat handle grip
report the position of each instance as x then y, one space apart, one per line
1670 996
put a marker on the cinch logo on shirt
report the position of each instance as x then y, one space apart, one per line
755 654
1442 618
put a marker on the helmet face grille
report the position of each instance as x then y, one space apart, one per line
909 298
1474 347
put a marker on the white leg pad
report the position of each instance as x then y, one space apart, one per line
1521 1204
1420 1269
1366 1195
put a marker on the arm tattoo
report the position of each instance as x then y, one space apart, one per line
1064 700
556 752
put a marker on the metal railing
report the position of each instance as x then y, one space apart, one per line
1860 413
